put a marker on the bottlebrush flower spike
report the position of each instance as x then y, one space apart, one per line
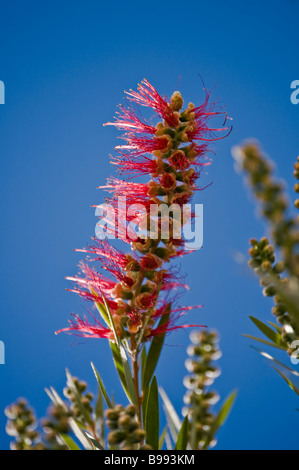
171 154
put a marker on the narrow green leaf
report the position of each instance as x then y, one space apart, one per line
162 437
55 398
154 351
123 370
168 442
81 436
99 414
288 381
271 334
129 389
95 442
271 358
128 375
119 366
143 363
227 406
278 328
144 403
264 342
101 386
103 313
221 417
110 319
69 442
172 418
152 416
182 441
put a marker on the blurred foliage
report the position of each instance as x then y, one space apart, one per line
275 262
79 421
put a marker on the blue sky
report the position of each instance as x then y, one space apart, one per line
65 66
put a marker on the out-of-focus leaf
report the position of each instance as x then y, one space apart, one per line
264 341
168 442
55 398
95 442
288 381
221 417
278 328
79 433
182 441
152 416
271 358
226 408
271 334
99 414
162 437
172 418
69 442
101 386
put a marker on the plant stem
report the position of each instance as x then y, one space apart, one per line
136 377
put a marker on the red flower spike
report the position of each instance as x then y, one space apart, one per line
142 283
148 96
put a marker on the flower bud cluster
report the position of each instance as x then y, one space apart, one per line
57 422
284 229
21 425
198 399
80 399
125 432
275 277
263 263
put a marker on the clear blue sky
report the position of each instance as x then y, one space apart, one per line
65 66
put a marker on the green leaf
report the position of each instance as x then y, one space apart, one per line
226 408
271 358
172 418
154 351
143 363
99 414
81 436
277 328
101 386
95 442
128 375
69 442
102 312
264 342
124 372
288 381
162 437
271 334
120 357
168 442
119 366
182 441
221 417
152 416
